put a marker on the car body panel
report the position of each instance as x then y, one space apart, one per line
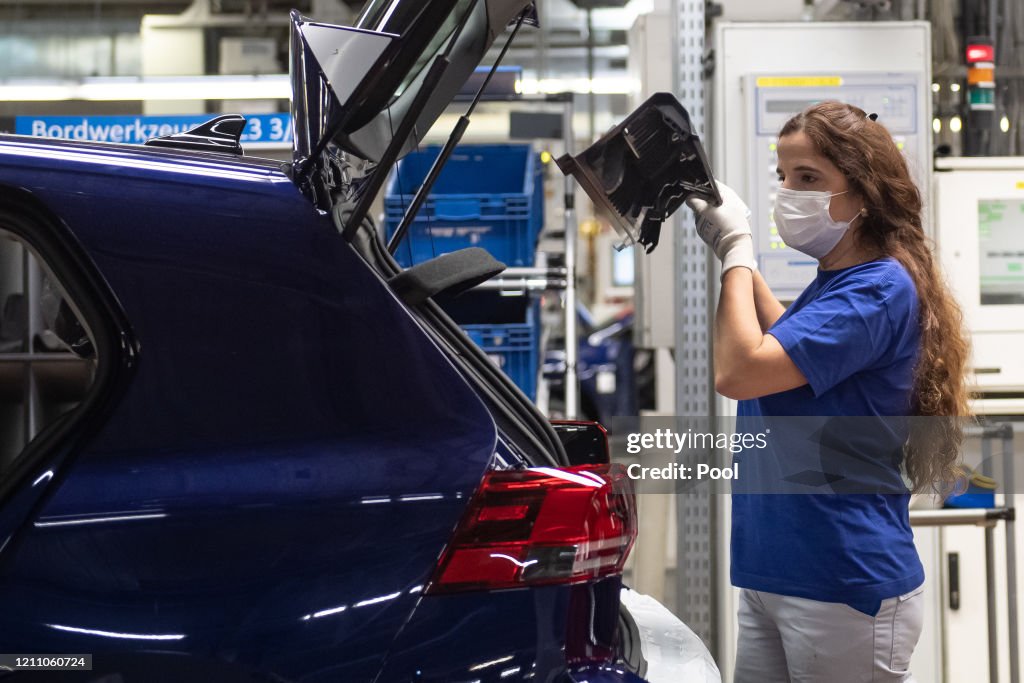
291 444
602 673
514 633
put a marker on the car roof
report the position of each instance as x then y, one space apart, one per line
113 152
21 154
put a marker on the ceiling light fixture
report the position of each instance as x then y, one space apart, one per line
270 87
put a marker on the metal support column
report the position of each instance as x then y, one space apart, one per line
572 387
993 619
697 540
990 576
1009 525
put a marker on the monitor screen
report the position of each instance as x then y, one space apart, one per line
622 267
1001 251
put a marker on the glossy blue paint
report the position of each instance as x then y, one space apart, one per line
286 465
515 635
291 443
602 673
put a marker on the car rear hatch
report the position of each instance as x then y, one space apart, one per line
356 89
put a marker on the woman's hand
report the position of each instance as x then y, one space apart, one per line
748 362
726 229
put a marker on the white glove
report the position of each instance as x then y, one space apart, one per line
726 229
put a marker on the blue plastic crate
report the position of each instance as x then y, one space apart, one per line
514 347
489 196
975 490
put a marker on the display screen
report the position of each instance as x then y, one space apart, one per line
1001 251
788 106
623 264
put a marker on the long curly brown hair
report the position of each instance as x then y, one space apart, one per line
876 169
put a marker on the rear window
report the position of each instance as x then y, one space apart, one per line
47 355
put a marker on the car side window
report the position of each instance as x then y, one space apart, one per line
47 354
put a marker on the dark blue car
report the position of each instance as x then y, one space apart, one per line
285 463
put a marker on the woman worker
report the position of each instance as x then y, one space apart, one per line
831 584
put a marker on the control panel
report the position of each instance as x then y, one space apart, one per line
772 99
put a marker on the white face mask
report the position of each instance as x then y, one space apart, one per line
804 222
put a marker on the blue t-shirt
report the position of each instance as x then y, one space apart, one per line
854 335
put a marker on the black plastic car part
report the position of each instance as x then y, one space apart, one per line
628 644
640 172
586 443
222 134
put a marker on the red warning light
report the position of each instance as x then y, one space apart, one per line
980 53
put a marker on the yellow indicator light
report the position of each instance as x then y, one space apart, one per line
590 227
545 157
772 147
798 81
900 146
1020 184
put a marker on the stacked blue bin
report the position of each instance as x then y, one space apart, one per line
488 196
514 347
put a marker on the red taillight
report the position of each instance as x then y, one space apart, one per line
541 526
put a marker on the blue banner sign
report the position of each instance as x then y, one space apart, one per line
259 128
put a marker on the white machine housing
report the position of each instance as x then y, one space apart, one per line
882 67
979 209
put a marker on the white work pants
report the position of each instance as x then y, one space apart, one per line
794 640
